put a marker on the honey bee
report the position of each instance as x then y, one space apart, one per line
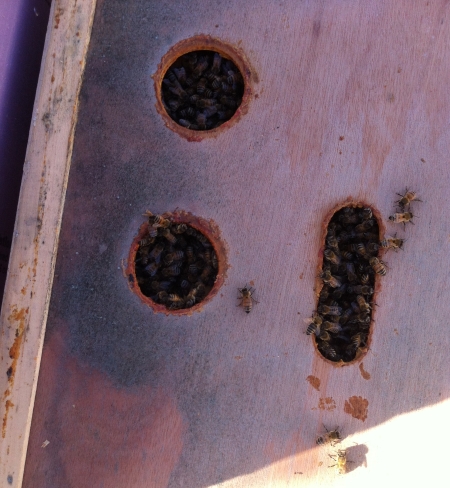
361 249
331 256
173 270
358 339
217 60
206 273
156 252
152 268
214 261
246 298
378 266
314 324
180 74
341 461
392 243
323 335
329 279
407 198
366 213
329 310
351 274
169 236
146 241
372 247
402 218
364 278
361 290
173 256
201 86
162 296
327 350
330 437
362 304
346 315
179 229
333 242
201 66
159 221
332 327
364 226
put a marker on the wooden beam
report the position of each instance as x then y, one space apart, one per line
38 220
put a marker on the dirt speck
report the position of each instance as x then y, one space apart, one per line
364 373
357 407
341 138
313 381
327 403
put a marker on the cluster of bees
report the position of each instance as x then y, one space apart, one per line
341 323
340 458
342 320
202 90
175 264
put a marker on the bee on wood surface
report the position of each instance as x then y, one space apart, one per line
392 243
315 321
402 218
246 298
330 437
159 221
378 266
341 461
407 198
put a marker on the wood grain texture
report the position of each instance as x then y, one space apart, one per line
349 100
33 254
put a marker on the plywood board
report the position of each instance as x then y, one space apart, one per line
348 101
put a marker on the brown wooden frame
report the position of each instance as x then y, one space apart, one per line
38 220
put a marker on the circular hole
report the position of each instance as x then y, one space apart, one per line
176 262
202 85
348 277
202 90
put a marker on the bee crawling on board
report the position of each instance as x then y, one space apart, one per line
341 461
407 198
330 437
246 298
402 218
392 243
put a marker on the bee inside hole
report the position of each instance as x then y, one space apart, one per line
202 89
176 265
341 324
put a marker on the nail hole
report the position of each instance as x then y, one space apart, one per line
201 85
176 262
347 283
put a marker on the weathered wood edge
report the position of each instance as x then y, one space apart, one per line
38 221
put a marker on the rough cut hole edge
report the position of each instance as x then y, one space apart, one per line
207 228
349 202
204 43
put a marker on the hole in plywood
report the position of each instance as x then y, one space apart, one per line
176 262
348 275
202 86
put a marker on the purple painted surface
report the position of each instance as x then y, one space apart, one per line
23 25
